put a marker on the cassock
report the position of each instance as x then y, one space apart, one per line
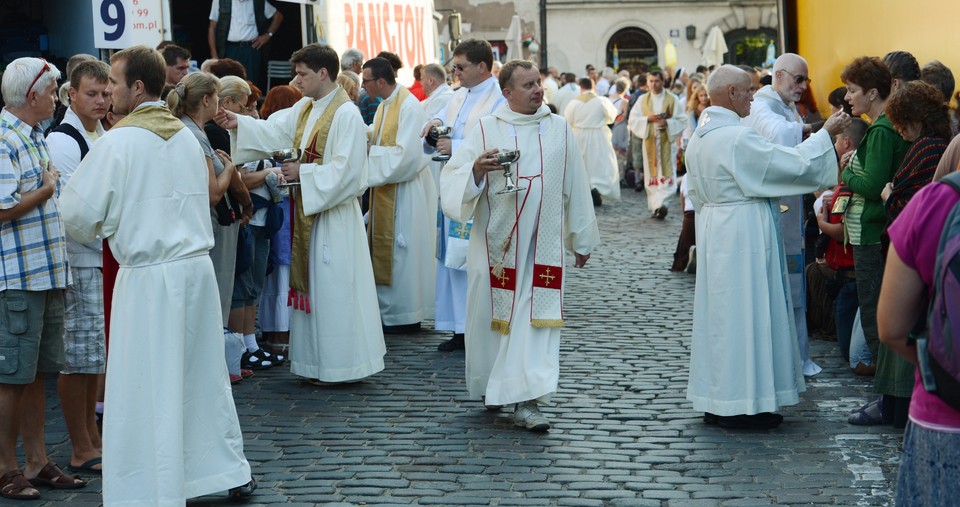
403 209
170 428
780 123
744 355
659 145
588 116
463 112
337 336
515 265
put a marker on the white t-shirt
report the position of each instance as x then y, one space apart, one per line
243 23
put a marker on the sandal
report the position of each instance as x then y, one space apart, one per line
870 414
256 360
13 484
51 475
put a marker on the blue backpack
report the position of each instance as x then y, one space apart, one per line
939 351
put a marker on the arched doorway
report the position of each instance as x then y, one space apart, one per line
749 47
635 50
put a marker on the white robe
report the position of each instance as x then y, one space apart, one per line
409 298
744 355
589 121
525 364
462 112
341 339
781 124
437 100
661 192
564 95
170 425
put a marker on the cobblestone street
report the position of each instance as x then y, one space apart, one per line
622 432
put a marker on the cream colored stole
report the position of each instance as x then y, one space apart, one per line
659 161
383 199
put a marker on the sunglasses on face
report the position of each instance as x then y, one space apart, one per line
797 78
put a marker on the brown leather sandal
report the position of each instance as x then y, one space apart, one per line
13 484
53 476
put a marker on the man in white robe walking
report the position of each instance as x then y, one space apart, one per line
516 262
588 116
478 95
744 361
335 329
658 120
170 427
403 203
774 114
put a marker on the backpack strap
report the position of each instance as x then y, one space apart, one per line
70 130
952 179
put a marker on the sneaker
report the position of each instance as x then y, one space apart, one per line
692 260
528 415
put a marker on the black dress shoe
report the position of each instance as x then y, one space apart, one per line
660 212
402 329
455 343
597 199
761 421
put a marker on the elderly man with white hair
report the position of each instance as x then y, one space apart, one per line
33 250
774 114
744 361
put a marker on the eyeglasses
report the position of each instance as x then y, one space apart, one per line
797 78
365 80
46 68
458 67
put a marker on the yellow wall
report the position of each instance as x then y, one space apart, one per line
832 33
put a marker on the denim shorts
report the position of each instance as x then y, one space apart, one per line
31 334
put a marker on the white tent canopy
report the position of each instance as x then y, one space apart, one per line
714 47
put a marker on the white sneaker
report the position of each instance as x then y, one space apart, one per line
527 415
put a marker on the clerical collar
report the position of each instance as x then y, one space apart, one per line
483 87
323 101
393 94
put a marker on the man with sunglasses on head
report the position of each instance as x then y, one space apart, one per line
774 114
33 250
479 95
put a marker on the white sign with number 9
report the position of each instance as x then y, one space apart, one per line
119 24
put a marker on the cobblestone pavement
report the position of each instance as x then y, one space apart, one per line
623 433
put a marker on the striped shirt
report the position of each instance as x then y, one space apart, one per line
33 249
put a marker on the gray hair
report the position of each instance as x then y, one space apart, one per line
20 75
435 70
349 58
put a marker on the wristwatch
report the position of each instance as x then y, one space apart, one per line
270 34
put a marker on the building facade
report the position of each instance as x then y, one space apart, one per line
623 34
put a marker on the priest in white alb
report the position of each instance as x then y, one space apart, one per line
658 120
433 78
335 330
744 361
774 114
170 427
588 116
478 95
516 265
403 203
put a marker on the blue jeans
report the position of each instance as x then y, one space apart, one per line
845 310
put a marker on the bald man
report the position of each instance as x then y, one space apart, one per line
774 114
744 362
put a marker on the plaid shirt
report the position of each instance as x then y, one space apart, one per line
33 249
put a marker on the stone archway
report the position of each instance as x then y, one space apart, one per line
635 50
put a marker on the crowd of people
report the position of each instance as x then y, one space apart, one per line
206 230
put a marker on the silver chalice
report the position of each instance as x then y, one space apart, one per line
286 155
441 132
506 158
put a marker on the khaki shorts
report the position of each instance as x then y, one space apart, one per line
31 334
